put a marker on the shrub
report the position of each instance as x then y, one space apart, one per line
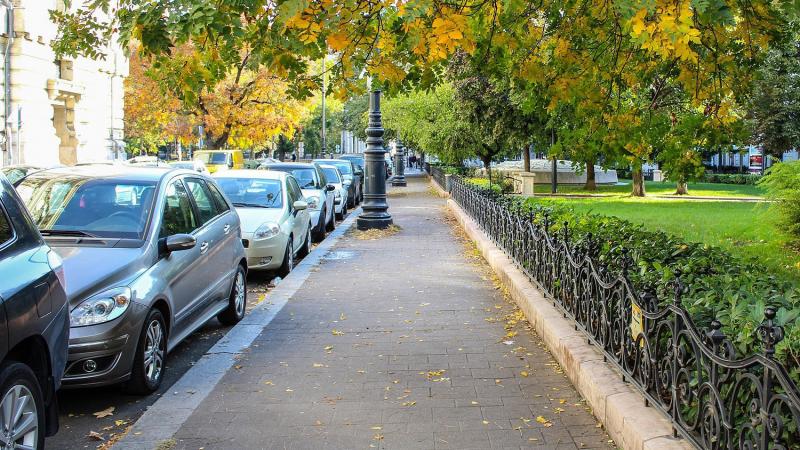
721 286
734 178
782 183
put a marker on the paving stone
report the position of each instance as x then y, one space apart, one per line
418 365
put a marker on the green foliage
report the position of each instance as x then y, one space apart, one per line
782 183
775 104
721 286
735 178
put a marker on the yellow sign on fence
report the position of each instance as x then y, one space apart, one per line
637 322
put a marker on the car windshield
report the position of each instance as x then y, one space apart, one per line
344 167
83 206
306 178
331 174
211 157
357 161
252 192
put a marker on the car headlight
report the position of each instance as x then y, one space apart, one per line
313 201
267 230
101 308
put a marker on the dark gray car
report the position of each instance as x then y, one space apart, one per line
34 327
149 254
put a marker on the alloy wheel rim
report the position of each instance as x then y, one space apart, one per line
20 420
154 351
239 300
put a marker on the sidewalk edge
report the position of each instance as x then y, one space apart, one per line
165 417
620 408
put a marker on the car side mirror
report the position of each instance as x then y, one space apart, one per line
330 187
178 242
300 205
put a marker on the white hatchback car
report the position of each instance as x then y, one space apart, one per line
334 177
276 226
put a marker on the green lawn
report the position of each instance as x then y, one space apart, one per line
745 229
664 188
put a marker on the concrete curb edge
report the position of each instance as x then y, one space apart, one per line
165 417
617 405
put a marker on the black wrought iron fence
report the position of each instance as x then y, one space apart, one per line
438 175
715 398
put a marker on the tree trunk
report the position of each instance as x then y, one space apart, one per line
590 185
487 164
526 159
682 188
638 182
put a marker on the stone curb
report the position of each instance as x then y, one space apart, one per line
618 406
165 417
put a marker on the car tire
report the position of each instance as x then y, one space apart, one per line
16 381
340 215
331 225
152 341
288 260
319 232
237 301
306 248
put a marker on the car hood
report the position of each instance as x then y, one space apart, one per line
252 218
89 270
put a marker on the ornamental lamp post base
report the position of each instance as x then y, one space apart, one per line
375 207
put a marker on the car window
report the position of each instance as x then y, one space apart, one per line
178 213
212 157
252 192
112 208
206 205
331 175
322 180
305 177
294 188
6 232
222 205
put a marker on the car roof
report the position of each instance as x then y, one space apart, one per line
126 172
285 165
352 155
252 173
331 161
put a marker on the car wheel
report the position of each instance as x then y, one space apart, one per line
319 231
331 225
148 363
22 405
306 248
237 300
340 215
288 260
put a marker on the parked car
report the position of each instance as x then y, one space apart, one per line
35 324
256 163
335 178
196 165
358 161
146 161
352 178
276 225
219 160
317 192
150 255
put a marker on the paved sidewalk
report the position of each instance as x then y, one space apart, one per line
399 341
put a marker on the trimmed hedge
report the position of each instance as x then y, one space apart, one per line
736 178
721 286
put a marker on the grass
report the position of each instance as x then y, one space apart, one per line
664 188
747 230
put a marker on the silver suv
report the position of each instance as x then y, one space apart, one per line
150 255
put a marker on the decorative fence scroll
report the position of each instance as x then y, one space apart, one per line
715 398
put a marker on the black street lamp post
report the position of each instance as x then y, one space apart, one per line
375 209
399 178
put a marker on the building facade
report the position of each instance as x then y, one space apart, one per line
55 111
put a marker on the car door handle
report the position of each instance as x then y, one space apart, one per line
203 247
226 228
